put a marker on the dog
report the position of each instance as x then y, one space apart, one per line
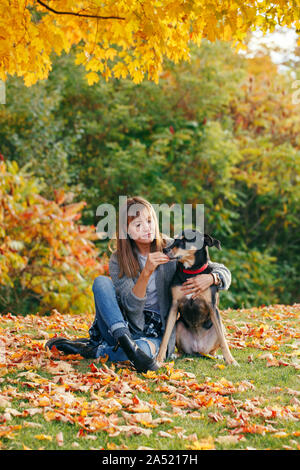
199 328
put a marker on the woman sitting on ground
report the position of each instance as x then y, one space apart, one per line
132 305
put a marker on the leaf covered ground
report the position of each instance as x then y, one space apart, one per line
52 401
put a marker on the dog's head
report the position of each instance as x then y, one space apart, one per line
190 247
195 312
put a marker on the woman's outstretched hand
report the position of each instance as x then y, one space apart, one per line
154 259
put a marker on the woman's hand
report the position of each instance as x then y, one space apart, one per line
197 284
154 259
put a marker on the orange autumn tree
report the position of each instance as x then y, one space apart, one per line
125 38
47 259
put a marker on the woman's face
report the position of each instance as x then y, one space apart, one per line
142 228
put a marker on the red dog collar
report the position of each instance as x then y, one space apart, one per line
195 271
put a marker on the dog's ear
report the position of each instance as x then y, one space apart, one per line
210 241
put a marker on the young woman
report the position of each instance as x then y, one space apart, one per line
132 305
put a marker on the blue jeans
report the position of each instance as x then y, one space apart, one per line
109 317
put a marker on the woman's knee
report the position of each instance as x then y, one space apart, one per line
101 281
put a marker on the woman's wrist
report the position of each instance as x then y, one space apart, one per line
139 289
216 279
146 273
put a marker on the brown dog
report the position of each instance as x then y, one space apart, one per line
199 329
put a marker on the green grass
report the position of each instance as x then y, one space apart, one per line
260 398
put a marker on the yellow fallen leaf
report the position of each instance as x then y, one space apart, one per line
43 437
3 371
111 446
150 374
43 401
140 409
280 434
203 444
176 375
148 425
7 431
26 448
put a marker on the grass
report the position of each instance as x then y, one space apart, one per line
191 403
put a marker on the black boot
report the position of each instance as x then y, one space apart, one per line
137 357
78 346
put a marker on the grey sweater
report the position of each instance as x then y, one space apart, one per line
133 306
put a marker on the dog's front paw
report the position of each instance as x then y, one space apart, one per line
234 363
160 360
230 361
160 364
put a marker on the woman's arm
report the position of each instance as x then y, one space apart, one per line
139 289
132 299
224 274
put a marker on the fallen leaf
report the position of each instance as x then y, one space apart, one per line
165 434
4 402
216 416
43 437
145 448
137 417
60 439
280 434
229 439
202 444
93 367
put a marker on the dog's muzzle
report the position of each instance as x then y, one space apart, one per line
168 252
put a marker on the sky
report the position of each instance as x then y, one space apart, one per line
283 40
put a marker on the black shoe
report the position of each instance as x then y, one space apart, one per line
51 342
77 346
137 357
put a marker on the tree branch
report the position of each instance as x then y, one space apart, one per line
79 14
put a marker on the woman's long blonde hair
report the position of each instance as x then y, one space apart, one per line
126 248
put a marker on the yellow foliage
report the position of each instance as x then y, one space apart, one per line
140 34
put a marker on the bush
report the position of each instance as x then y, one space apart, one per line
47 260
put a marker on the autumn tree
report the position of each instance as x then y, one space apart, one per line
47 259
136 35
221 130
